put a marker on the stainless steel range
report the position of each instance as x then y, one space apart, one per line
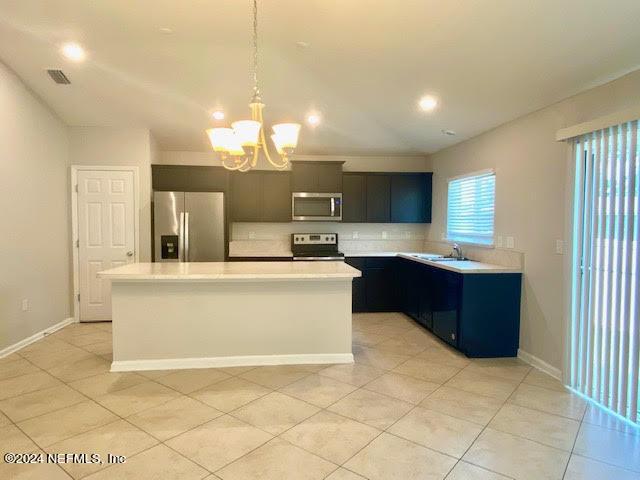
315 246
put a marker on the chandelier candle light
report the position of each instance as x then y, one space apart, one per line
240 145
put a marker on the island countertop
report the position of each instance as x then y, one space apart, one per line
220 271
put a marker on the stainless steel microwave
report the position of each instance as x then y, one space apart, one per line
306 206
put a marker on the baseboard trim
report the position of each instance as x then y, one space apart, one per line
35 337
540 364
239 361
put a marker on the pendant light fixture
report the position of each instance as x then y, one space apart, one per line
239 146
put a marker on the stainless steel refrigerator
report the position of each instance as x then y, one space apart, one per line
188 226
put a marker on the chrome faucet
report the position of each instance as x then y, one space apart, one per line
457 251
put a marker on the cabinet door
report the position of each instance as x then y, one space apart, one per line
354 197
409 292
246 197
378 198
330 177
381 284
276 197
425 297
304 177
358 292
446 299
409 198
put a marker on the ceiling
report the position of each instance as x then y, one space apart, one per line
366 65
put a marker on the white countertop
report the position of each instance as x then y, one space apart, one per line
212 271
466 266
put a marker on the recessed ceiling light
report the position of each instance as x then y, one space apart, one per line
166 30
302 44
217 115
73 52
451 133
314 119
428 103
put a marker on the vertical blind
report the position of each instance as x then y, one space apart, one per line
605 329
471 207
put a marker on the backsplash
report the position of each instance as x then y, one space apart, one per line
352 237
274 239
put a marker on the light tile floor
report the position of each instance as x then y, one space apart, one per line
409 408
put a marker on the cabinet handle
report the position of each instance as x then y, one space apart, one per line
453 336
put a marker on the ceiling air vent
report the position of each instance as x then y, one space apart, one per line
59 77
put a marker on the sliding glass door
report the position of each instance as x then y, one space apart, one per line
605 328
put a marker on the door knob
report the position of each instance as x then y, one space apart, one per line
129 254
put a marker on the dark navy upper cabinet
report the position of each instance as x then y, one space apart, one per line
411 198
354 197
276 197
378 198
316 177
246 198
261 196
386 197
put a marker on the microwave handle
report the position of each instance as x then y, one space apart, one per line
333 207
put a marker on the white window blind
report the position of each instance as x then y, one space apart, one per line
605 325
471 208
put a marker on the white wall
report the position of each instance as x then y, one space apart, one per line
34 214
531 187
119 146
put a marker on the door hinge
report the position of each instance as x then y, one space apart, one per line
78 243
76 187
78 297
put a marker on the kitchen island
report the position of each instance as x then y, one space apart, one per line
221 314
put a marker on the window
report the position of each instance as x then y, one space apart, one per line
470 208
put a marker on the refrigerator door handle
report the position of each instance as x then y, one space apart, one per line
181 238
333 207
186 236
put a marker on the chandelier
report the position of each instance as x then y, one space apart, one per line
239 146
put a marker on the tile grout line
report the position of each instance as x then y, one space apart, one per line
385 371
482 431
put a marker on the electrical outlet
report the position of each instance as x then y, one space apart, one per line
384 234
355 235
560 247
498 242
252 235
510 242
25 304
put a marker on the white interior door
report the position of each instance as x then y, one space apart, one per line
106 235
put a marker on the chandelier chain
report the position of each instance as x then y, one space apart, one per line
256 90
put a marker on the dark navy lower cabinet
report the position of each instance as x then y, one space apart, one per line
479 314
489 310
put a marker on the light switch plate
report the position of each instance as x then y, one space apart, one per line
354 235
25 304
384 234
510 242
498 241
560 247
252 235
